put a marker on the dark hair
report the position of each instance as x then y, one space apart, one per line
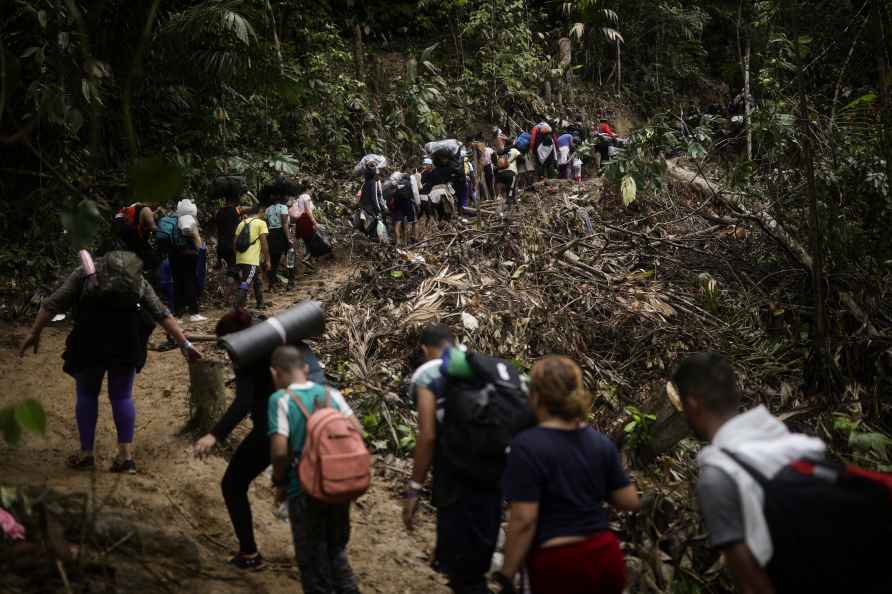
436 335
556 383
709 377
234 321
287 358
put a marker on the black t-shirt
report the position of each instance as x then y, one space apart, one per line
228 219
569 473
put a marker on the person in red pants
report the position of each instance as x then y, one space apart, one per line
558 474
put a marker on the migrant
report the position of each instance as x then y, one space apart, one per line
115 311
559 475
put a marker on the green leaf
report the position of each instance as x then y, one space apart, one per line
876 442
629 190
396 274
630 426
696 150
868 99
31 416
82 223
41 17
154 180
8 496
12 433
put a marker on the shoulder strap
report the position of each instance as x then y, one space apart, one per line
749 468
299 404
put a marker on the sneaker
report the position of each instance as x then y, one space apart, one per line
242 561
197 318
81 461
123 467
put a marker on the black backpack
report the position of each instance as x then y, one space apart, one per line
830 526
482 415
243 242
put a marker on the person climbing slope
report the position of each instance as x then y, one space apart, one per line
115 311
321 531
558 476
251 256
184 261
253 386
278 223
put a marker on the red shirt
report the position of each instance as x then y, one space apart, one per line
604 128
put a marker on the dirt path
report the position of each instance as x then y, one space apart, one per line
176 492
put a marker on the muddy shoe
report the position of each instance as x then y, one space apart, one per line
81 462
248 562
123 467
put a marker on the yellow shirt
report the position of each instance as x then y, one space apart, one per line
252 255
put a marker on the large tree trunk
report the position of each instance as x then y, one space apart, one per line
207 395
358 52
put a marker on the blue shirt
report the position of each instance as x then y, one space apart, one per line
569 473
285 418
274 215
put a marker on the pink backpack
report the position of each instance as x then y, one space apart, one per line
335 466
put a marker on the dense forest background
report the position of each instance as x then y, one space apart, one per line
750 212
106 102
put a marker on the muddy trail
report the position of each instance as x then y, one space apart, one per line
179 495
622 290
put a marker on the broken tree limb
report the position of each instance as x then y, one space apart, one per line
731 200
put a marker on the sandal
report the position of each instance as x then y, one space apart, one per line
242 561
81 461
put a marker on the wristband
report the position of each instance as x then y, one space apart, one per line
186 345
413 486
410 494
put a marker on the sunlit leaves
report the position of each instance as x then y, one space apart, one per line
27 415
629 190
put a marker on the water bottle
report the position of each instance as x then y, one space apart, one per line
290 258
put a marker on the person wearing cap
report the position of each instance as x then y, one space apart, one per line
371 198
543 146
184 262
427 212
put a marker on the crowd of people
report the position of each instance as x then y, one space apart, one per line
502 449
455 176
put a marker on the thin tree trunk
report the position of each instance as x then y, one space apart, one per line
619 69
358 52
278 46
744 55
822 350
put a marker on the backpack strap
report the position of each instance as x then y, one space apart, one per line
749 468
296 399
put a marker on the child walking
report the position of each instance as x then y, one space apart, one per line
320 530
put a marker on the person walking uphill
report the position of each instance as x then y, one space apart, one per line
251 253
785 520
184 258
320 530
115 312
253 386
559 474
278 223
466 480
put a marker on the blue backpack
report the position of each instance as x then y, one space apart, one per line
523 142
168 235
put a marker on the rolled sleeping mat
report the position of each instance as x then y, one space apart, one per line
304 320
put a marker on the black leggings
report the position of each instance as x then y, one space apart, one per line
250 460
278 246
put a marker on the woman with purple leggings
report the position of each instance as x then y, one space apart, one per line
109 338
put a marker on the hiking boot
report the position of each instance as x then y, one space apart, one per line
248 562
123 467
81 461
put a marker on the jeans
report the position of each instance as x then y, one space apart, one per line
321 532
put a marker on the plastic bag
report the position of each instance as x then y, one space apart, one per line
379 161
381 230
446 148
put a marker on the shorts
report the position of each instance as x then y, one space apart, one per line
404 211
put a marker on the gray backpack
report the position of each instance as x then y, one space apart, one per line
117 284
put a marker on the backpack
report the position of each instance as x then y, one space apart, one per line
522 143
243 242
483 412
126 224
830 527
335 466
117 284
168 236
